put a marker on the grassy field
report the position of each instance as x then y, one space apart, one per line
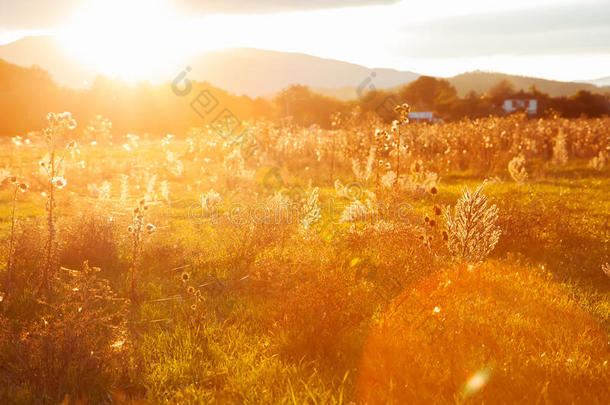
314 266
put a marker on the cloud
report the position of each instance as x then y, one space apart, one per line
45 14
272 6
34 14
569 29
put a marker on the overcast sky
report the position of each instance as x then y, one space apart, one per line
559 39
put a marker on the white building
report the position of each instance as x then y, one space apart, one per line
516 104
427 116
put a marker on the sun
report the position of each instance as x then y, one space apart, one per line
132 39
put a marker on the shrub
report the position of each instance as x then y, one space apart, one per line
71 346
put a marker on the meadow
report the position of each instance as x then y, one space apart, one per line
459 262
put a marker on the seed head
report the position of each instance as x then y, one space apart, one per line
59 182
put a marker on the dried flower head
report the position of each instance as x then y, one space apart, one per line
606 269
59 182
185 277
150 228
23 187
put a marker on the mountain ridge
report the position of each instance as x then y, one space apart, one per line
260 73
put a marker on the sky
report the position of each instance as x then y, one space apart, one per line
555 39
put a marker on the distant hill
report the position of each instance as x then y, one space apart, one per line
482 81
602 81
255 72
248 71
47 53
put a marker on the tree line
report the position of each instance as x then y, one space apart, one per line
27 94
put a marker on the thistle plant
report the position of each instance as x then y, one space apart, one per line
311 210
52 165
364 174
98 130
560 149
138 229
124 188
472 232
361 211
599 162
516 169
403 113
17 187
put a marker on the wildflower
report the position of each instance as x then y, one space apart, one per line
185 277
150 228
190 290
42 163
427 219
12 179
130 229
23 187
606 269
445 236
433 190
194 307
59 182
118 344
517 170
560 149
599 161
72 145
432 223
395 124
437 210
